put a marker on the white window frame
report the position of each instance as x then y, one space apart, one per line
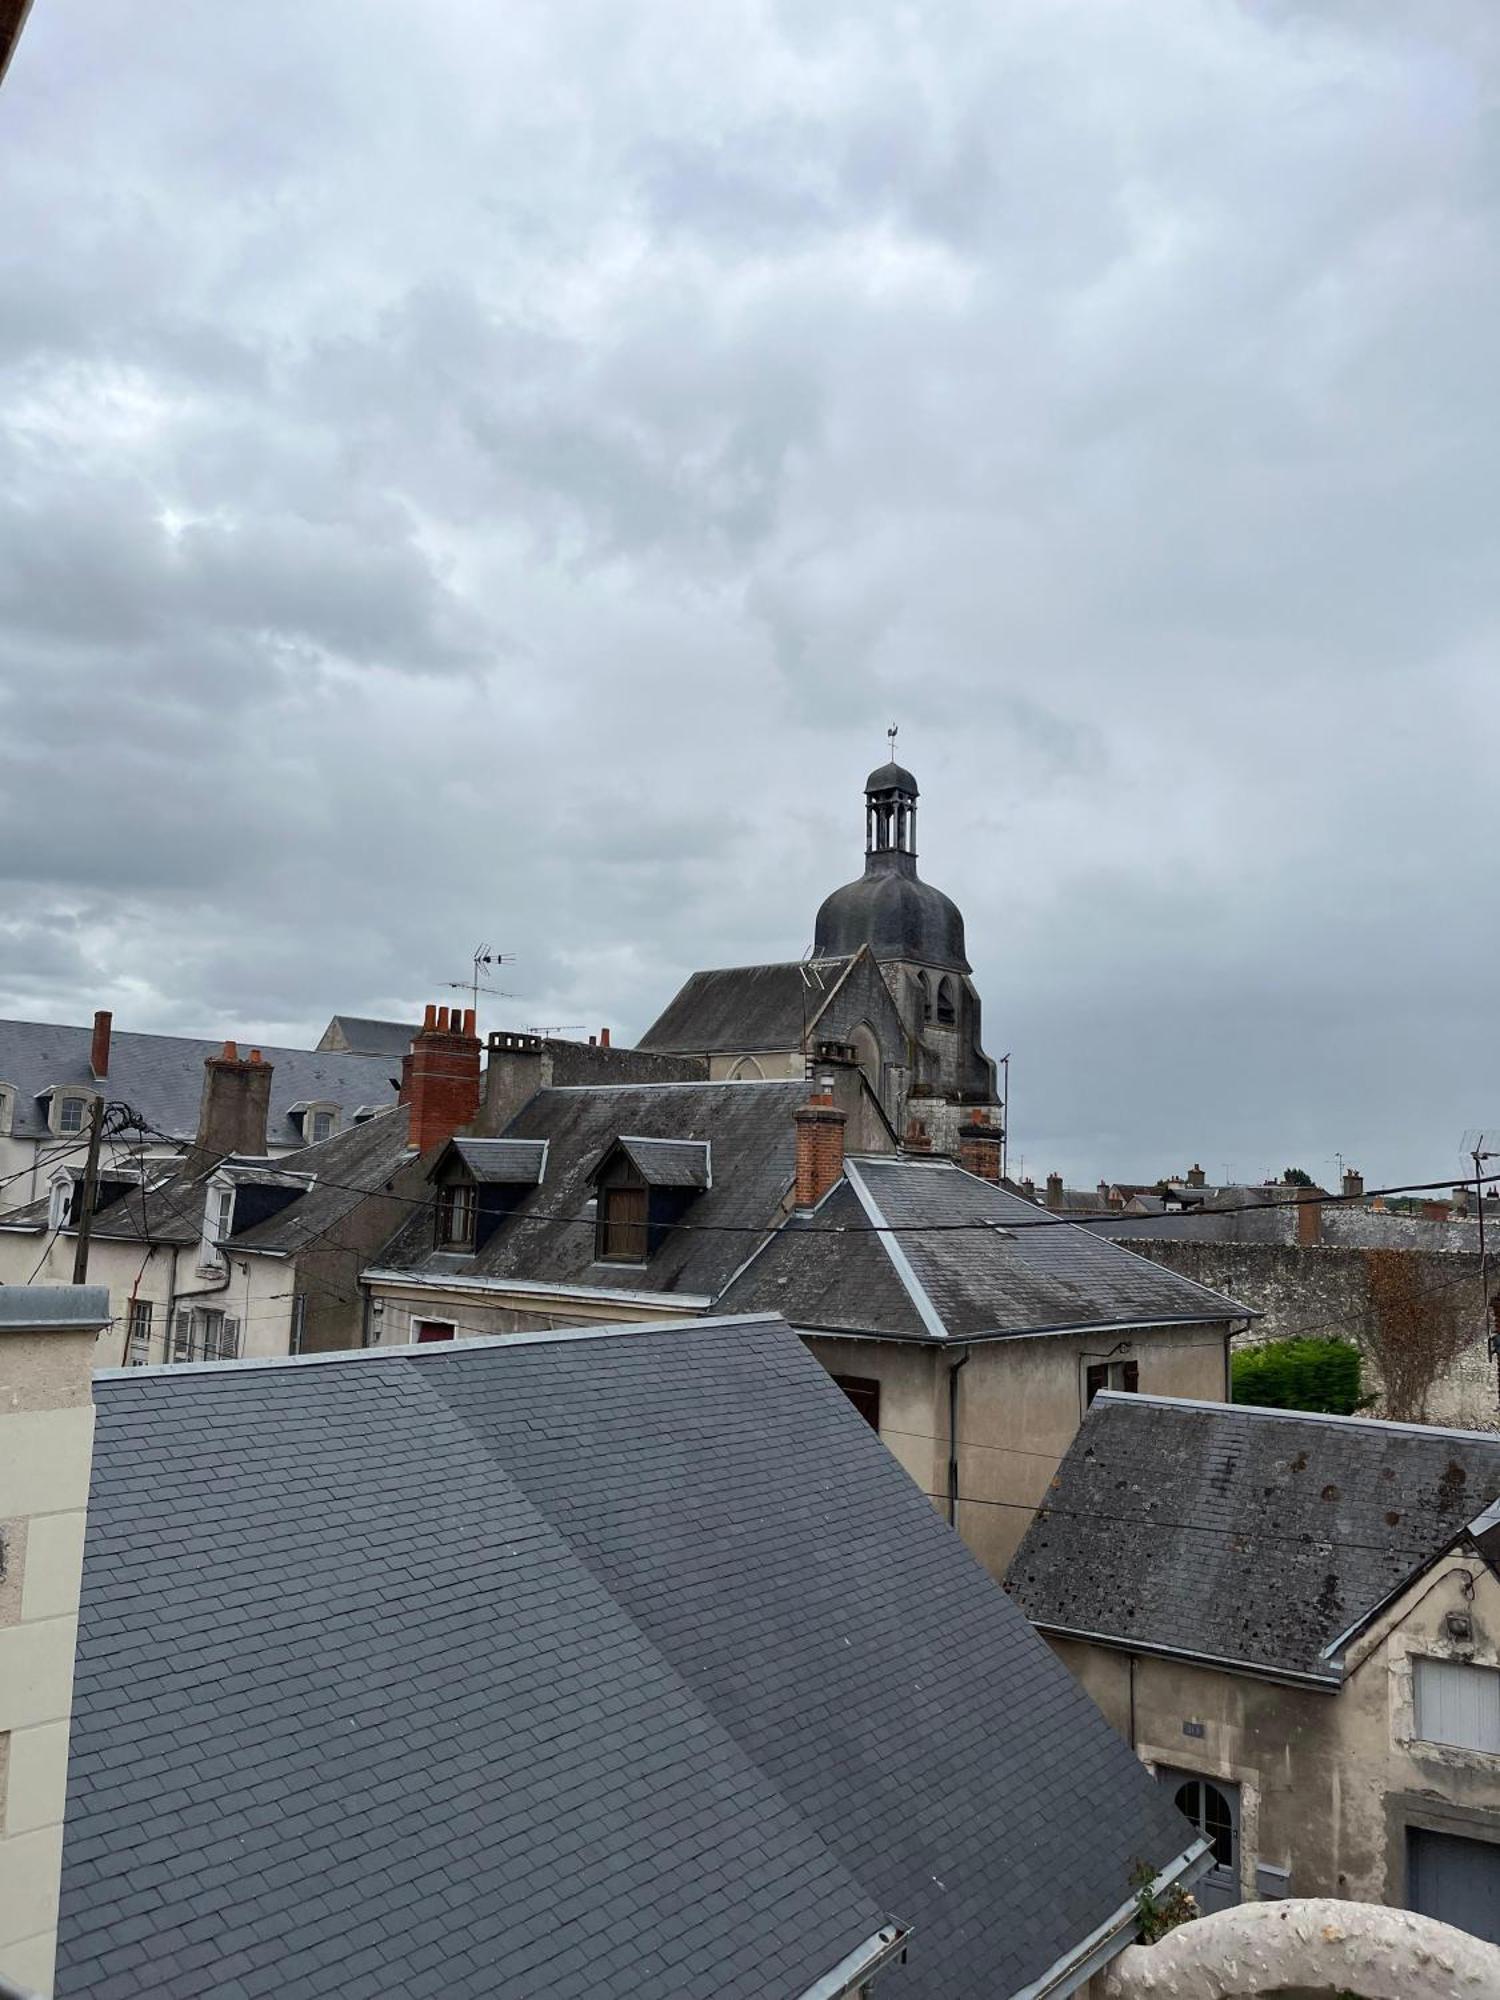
139 1319
59 1201
218 1224
311 1113
7 1109
203 1333
61 1099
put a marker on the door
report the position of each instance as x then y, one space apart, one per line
1214 1809
1455 1880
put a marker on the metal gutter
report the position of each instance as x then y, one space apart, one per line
860 1965
931 1318
1114 1934
458 1281
1284 1676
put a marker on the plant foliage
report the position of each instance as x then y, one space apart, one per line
1300 1375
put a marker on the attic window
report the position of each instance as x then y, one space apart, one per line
322 1126
71 1114
620 1229
455 1216
218 1224
1124 1375
7 1107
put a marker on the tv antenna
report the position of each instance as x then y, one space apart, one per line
558 1028
478 984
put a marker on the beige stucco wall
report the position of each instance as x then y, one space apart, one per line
394 1306
1020 1402
1329 1782
46 1436
257 1291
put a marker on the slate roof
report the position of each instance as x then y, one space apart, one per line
676 1163
161 1076
936 1253
1241 1534
598 1665
344 1170
503 1162
362 1036
746 1007
548 1238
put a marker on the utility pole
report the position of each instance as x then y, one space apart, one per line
1492 1340
90 1196
1005 1116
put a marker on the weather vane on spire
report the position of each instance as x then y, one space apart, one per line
891 739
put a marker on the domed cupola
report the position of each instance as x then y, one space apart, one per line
890 908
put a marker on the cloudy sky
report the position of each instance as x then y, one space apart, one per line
494 471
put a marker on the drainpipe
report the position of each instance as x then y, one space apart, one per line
962 1362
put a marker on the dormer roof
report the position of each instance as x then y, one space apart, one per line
663 1163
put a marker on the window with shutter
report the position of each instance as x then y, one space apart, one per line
1457 1704
138 1344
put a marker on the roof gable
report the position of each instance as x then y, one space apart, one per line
645 1684
1239 1534
746 1007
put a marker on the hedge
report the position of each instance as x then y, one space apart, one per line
1299 1375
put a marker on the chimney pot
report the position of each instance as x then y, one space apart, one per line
99 1051
593 1041
429 1019
604 1038
231 1052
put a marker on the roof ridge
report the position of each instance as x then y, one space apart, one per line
686 1083
916 1291
1126 1397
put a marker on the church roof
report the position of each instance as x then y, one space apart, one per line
895 913
746 1007
892 778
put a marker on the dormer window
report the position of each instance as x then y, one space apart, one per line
218 1224
316 1121
644 1185
70 1113
456 1210
60 1201
7 1107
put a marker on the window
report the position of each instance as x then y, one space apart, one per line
455 1216
218 1222
1457 1704
7 1107
947 1010
1213 1808
322 1126
70 1114
424 1330
60 1203
138 1334
201 1333
863 1392
299 1322
1099 1375
925 992
621 1229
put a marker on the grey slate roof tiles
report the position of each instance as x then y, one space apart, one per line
1242 1534
674 1163
549 1237
553 1667
161 1076
747 1007
503 1162
984 1261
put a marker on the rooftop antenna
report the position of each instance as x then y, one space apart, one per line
478 983
558 1028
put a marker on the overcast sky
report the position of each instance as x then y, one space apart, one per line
494 471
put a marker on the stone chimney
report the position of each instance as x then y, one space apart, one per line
99 1047
820 1145
1054 1191
1353 1185
979 1148
516 1068
1461 1198
48 1337
440 1076
1028 1188
236 1104
1196 1176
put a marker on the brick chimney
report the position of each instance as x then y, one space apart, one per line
917 1138
820 1145
1028 1188
1054 1191
49 1337
1196 1176
1354 1184
235 1105
979 1147
440 1076
1309 1220
99 1047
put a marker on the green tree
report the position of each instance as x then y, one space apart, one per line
1297 1177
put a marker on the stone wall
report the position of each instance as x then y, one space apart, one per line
1323 1290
